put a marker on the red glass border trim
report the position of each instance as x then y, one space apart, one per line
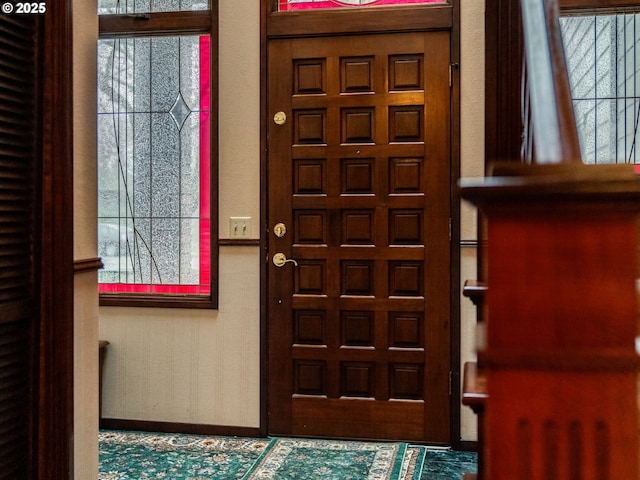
158 289
205 159
284 5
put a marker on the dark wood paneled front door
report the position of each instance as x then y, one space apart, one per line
358 175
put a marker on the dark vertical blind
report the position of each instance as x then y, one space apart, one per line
504 52
17 295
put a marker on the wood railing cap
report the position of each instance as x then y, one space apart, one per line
520 183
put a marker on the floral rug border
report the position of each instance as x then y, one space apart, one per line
391 461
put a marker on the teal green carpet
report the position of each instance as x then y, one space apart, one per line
137 456
290 459
147 456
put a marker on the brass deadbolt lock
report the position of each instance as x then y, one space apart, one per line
280 118
279 230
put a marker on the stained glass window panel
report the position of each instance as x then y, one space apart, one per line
285 5
129 7
153 164
603 62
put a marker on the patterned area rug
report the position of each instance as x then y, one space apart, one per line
291 459
136 455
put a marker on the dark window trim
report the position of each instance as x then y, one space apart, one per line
299 23
161 23
599 6
176 23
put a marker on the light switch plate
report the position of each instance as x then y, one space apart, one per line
240 227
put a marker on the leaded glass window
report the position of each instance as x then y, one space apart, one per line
603 61
154 164
129 7
316 4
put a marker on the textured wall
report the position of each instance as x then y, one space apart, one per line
85 33
239 113
189 366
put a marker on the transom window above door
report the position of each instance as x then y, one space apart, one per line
128 7
285 5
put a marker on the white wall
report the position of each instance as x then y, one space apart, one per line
202 367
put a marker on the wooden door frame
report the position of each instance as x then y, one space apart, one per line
52 426
333 22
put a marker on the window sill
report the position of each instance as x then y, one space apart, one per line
157 301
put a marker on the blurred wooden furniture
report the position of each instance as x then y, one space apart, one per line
555 384
559 360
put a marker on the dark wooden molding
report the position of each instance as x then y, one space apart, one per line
267 6
54 417
214 168
157 301
347 21
468 446
504 59
87 265
173 427
234 242
455 232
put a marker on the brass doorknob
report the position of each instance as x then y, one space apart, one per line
279 259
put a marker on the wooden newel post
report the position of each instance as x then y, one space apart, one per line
561 322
